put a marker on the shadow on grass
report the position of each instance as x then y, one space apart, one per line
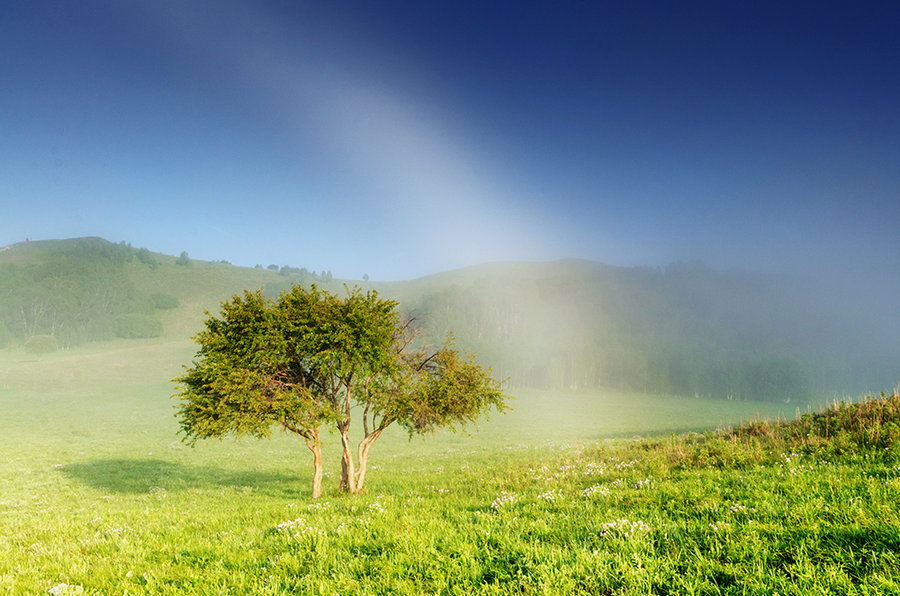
140 475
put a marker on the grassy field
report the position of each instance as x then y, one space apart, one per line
99 496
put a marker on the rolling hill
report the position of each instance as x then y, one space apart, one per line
684 329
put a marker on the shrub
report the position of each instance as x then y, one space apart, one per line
164 301
146 257
135 326
41 344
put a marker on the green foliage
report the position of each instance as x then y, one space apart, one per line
183 259
146 257
163 301
41 344
301 360
426 391
137 326
243 380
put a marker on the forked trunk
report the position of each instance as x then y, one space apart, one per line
362 457
318 467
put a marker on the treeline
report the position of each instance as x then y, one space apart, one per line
77 291
683 330
301 273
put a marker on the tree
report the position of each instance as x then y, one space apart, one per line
146 257
308 358
246 378
41 344
183 259
421 390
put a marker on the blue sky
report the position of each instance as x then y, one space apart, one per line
399 139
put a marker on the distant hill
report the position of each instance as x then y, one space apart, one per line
88 289
684 329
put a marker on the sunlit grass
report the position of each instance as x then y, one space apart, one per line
99 495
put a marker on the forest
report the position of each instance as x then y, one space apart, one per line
684 329
75 292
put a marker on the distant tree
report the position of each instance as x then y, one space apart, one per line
308 358
41 344
183 259
162 301
272 267
146 257
365 277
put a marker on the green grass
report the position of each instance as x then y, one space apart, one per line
98 494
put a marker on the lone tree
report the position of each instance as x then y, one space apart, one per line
308 358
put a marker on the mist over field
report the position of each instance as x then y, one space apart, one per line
655 411
684 329
669 228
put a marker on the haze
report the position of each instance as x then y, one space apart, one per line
402 139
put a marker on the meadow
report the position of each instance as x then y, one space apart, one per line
593 493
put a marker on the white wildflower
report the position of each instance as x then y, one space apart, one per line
623 528
377 506
738 508
503 499
300 527
551 495
595 490
565 471
645 483
66 589
593 469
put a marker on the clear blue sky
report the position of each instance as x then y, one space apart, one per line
400 139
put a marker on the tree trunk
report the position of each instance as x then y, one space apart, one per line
318 467
348 478
362 457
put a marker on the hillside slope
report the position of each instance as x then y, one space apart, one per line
684 329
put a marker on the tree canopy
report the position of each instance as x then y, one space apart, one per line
307 358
